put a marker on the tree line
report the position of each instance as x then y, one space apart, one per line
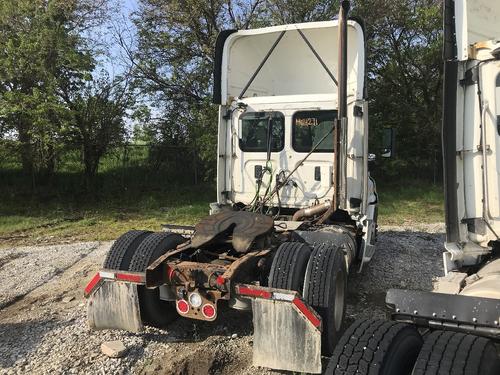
57 95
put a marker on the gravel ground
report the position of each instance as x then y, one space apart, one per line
43 326
24 269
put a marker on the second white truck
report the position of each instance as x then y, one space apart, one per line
455 329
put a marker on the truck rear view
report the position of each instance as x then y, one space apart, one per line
295 210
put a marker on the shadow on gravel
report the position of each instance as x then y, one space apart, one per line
19 340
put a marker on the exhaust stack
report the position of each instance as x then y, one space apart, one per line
340 133
341 129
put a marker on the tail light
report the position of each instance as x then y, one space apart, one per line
182 306
209 311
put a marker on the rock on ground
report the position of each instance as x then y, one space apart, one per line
113 349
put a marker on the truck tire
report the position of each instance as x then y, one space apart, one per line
289 266
122 250
376 347
446 352
154 311
325 289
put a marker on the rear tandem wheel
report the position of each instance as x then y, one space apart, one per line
289 266
454 353
325 287
122 250
154 311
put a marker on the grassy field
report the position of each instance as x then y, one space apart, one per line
39 222
410 202
58 219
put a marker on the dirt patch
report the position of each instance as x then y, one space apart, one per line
215 355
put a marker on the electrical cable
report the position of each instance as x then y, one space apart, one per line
279 186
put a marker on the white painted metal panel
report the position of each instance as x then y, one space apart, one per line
292 68
475 21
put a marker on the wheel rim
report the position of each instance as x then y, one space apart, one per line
339 302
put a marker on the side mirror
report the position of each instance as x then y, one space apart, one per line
388 143
372 158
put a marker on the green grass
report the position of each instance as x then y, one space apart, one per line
26 222
137 195
60 214
410 202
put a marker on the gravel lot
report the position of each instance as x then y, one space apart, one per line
43 326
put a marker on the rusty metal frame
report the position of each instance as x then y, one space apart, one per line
211 281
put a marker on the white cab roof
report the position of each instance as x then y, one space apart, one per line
292 68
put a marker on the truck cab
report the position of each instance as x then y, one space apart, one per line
277 91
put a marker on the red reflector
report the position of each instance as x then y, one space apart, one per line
170 272
92 284
220 280
308 313
245 291
129 277
208 311
182 306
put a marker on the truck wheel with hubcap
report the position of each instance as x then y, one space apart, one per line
122 250
154 311
446 352
325 288
376 347
289 266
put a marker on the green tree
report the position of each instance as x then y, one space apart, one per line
296 11
97 122
41 51
405 80
173 65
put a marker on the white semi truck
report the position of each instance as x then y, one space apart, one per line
455 329
295 210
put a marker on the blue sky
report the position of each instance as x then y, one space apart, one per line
112 63
130 4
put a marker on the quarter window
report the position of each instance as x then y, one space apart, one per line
255 128
309 127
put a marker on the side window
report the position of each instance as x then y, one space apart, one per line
497 95
254 130
309 127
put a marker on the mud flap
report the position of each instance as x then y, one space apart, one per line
115 305
287 332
